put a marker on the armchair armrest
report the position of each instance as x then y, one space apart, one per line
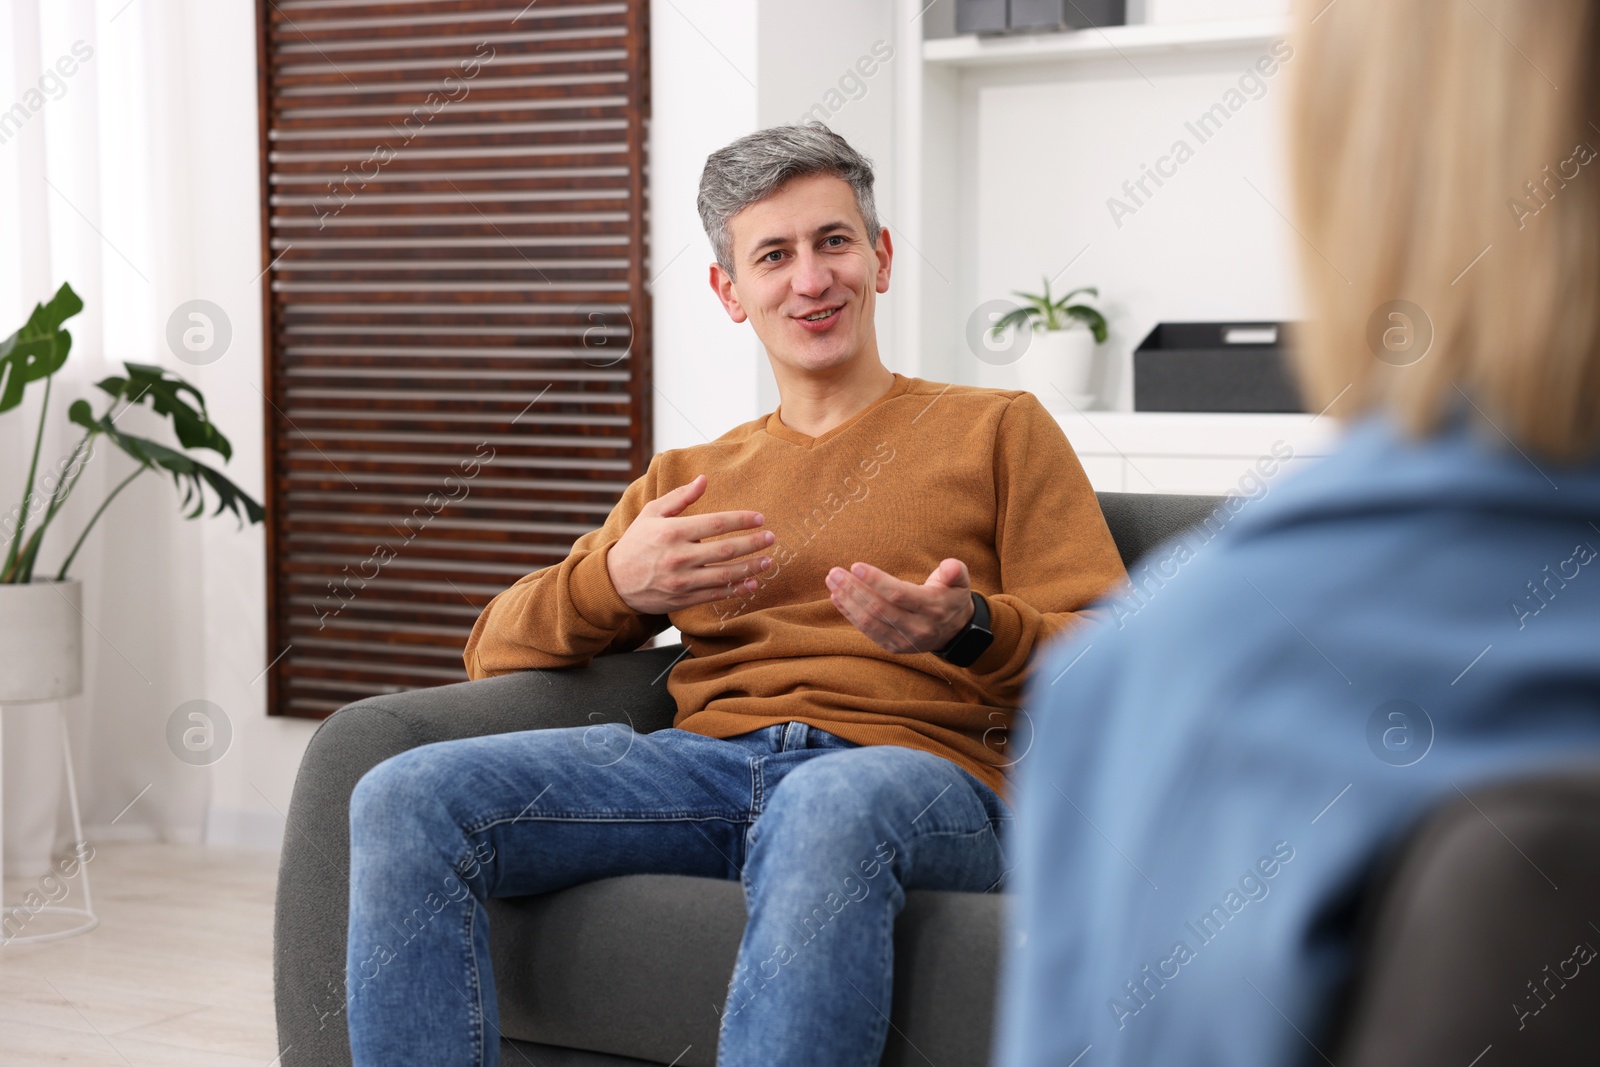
1464 939
313 876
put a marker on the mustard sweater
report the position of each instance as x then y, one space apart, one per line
924 472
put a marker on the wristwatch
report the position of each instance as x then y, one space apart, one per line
965 648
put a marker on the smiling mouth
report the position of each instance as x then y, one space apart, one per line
820 316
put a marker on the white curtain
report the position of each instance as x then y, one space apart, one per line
94 190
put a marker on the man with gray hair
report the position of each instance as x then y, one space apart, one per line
861 588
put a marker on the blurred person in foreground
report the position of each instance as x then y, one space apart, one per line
1202 803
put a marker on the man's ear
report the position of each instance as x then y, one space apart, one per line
722 285
885 250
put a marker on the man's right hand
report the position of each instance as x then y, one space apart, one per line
660 564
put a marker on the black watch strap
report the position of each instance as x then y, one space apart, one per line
974 640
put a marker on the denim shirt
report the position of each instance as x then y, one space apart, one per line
1218 764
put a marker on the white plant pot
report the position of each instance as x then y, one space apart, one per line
41 641
1059 366
41 661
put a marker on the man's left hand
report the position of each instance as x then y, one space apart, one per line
900 616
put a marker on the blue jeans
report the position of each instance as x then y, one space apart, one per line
825 835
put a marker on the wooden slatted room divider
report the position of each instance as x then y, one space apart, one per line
457 377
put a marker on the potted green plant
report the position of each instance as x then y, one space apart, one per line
1061 351
40 627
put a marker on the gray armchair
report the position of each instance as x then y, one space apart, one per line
633 970
628 970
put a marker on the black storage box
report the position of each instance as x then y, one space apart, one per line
1215 366
1082 14
1066 14
1021 16
981 16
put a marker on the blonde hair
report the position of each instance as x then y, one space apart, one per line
1443 156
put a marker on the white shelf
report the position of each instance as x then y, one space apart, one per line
1181 433
974 51
1182 452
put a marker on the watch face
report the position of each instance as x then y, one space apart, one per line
970 643
969 646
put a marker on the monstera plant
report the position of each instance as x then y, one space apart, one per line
34 353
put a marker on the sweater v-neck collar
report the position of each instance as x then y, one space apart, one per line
776 427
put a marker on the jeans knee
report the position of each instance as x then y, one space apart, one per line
401 790
828 818
856 785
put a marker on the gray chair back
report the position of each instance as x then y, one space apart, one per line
1141 521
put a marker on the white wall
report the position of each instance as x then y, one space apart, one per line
1016 163
720 71
826 61
1206 244
215 106
704 70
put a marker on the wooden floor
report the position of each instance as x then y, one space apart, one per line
179 971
